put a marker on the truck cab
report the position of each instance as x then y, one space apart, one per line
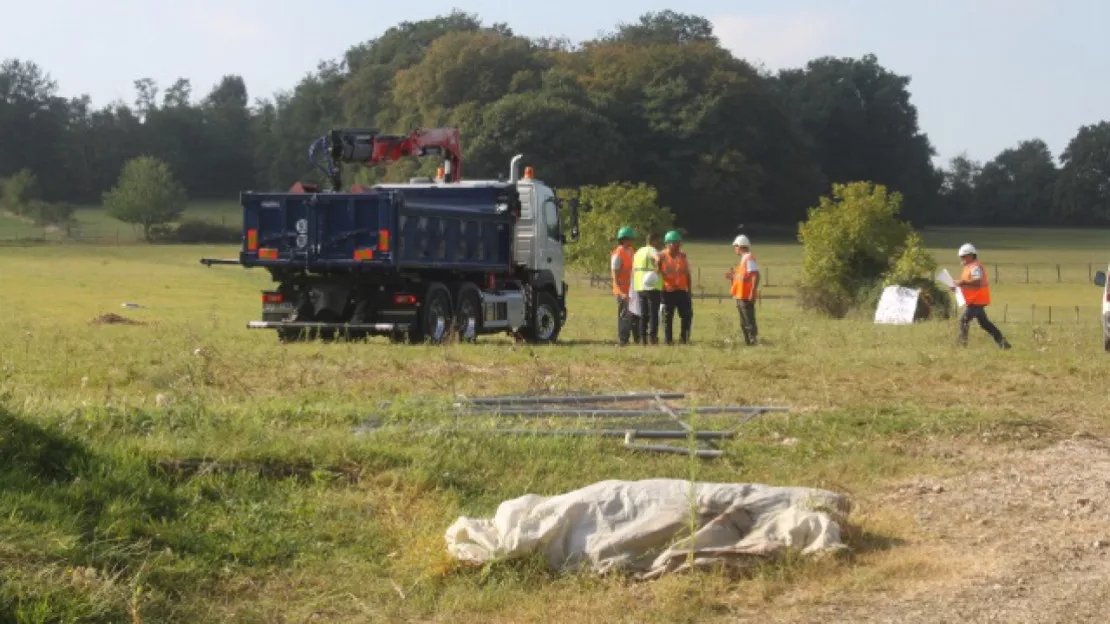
1100 280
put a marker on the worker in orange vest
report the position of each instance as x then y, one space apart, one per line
675 269
745 285
620 267
976 290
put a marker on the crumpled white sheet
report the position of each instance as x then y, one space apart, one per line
644 527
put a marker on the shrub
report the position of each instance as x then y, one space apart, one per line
18 191
195 231
604 210
853 245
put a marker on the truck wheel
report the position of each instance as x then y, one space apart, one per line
468 312
545 324
435 316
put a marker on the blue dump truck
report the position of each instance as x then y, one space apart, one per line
424 261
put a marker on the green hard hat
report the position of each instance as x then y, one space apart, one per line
673 237
626 232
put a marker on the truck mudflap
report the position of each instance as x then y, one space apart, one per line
367 327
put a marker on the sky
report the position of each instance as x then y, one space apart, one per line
985 74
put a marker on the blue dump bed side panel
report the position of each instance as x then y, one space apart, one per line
387 228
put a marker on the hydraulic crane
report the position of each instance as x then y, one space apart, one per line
370 147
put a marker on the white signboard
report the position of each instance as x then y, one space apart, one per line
897 306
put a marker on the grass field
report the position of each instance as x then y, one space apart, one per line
341 527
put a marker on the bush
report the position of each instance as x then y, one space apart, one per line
853 245
604 210
195 231
146 195
18 191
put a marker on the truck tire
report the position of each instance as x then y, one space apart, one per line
435 316
468 312
546 321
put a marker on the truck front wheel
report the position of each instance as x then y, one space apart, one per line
546 321
468 314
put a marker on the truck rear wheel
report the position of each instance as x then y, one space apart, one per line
435 315
468 312
546 322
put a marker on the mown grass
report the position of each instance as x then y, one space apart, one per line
188 469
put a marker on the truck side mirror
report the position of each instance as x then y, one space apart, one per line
1100 279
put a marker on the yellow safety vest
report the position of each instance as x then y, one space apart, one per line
641 265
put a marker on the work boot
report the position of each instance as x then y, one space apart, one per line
1004 345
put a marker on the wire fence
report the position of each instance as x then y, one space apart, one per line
1032 314
788 275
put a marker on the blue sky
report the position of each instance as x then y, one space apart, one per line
985 73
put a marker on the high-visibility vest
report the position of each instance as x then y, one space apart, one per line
624 272
743 280
674 268
642 263
976 295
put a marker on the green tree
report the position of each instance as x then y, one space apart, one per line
862 125
605 209
1017 187
854 243
18 191
1083 192
666 27
957 194
146 195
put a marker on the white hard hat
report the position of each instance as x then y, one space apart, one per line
651 278
967 249
741 241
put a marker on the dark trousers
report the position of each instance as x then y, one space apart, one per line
677 300
979 313
747 320
649 316
627 323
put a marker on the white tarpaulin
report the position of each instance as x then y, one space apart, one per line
645 526
897 306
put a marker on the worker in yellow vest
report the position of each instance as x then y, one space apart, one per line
620 268
976 290
745 285
649 288
675 269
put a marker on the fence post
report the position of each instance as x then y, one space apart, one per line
1034 314
1076 314
1049 315
1058 274
1027 274
997 279
1005 312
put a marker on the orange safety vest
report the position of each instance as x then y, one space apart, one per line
743 281
674 270
976 295
624 273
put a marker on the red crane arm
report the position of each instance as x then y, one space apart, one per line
422 142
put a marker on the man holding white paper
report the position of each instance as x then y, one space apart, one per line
974 289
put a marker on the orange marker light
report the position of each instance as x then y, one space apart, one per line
252 240
383 240
364 254
268 254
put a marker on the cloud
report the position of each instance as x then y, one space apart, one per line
776 41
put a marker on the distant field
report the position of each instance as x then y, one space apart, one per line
95 226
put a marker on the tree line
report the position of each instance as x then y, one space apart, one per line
657 101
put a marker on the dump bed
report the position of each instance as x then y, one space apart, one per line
386 228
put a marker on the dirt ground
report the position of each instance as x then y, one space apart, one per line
1031 535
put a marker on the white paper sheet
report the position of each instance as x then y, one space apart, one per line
944 277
